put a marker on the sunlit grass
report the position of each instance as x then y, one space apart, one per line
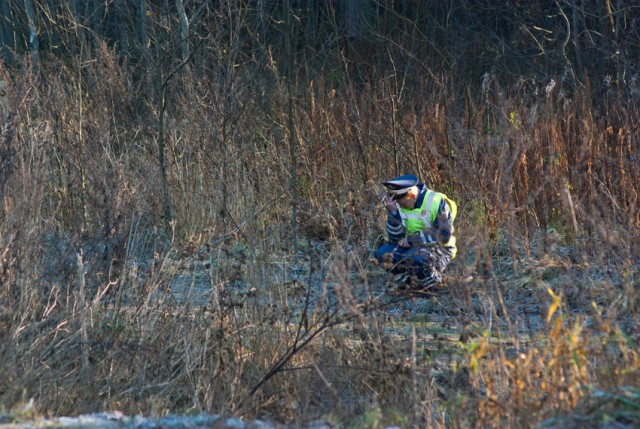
104 305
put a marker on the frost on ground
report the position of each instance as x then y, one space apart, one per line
119 421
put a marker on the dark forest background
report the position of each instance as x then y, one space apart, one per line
244 142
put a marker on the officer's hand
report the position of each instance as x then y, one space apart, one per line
404 243
389 203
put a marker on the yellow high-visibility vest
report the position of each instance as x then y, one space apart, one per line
416 220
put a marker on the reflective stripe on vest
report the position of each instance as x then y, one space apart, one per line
425 214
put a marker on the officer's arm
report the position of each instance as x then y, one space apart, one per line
443 223
395 229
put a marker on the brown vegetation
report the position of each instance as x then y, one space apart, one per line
147 240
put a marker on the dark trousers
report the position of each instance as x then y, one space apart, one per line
425 263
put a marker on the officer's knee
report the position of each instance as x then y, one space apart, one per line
384 255
378 254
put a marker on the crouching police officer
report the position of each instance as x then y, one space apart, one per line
420 231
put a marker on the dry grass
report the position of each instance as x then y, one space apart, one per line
106 306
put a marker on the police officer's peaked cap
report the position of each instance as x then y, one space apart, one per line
401 184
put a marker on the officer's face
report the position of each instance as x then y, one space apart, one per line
406 201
